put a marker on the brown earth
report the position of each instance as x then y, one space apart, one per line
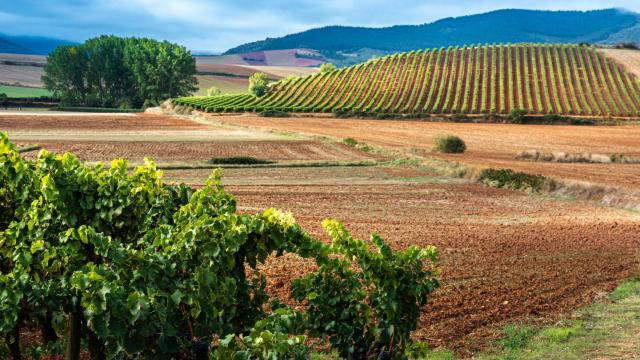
196 151
505 256
627 57
90 122
488 145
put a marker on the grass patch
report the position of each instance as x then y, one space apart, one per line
627 289
563 157
516 337
509 179
449 144
23 92
351 142
602 330
238 160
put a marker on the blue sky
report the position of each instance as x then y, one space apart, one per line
214 25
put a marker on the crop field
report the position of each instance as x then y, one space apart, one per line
488 145
234 79
506 256
20 75
541 79
21 91
627 57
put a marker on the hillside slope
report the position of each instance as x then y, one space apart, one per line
502 26
543 79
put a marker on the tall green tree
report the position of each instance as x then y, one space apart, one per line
110 71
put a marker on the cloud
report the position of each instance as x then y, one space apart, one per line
216 25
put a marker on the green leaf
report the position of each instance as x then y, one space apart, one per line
37 246
177 297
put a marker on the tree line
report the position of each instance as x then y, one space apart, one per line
110 71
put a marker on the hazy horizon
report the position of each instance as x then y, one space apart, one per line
215 26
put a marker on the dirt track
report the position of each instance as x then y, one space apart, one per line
505 256
490 145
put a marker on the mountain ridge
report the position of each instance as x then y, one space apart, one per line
515 25
29 45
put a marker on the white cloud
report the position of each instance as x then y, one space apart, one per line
220 24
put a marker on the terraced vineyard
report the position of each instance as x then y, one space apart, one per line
542 79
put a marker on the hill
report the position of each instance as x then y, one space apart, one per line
501 26
289 57
543 79
30 45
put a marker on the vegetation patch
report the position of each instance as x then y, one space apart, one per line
181 269
563 157
507 178
516 337
449 144
602 328
28 148
274 113
239 160
351 142
96 109
518 92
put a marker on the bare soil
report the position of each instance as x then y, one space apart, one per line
197 151
488 145
505 256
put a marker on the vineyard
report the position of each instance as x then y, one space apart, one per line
541 79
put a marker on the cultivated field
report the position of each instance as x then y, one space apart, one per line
20 75
505 256
290 57
630 59
489 145
542 79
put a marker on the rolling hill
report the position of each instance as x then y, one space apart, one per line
502 26
543 79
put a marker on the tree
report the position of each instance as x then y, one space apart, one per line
3 99
213 91
258 84
110 71
327 68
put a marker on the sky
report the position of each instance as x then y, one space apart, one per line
215 25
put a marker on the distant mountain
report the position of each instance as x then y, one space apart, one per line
501 26
29 45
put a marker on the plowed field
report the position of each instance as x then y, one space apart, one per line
505 256
491 145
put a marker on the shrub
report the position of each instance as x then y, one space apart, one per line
258 84
449 144
517 116
554 118
327 68
350 142
371 309
160 271
213 91
273 113
507 178
238 160
627 45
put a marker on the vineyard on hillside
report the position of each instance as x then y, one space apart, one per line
541 79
